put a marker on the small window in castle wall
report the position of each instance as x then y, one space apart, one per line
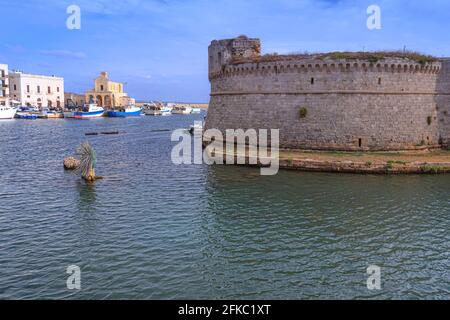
312 80
379 81
360 142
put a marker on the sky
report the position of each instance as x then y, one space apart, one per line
158 48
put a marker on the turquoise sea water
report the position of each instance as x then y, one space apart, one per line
153 230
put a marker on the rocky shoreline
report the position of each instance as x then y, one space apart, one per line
406 162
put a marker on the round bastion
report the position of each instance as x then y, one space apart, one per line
333 101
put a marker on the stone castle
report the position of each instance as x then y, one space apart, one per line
335 101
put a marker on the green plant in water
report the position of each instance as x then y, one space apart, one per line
88 161
303 112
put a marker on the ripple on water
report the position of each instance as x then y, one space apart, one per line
153 230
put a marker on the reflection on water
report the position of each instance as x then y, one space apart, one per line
86 200
154 230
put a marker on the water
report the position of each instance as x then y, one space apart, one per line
153 230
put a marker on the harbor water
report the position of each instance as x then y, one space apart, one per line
154 230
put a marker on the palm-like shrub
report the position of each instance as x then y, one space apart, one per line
88 160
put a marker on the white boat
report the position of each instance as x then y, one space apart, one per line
157 110
181 110
7 112
166 111
196 110
91 110
152 110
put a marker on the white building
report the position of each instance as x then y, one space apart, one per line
4 85
36 90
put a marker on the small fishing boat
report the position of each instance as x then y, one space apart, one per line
54 114
91 110
128 111
152 110
7 112
181 110
166 111
26 115
196 110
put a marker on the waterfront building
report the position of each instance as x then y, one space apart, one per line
4 85
108 94
74 99
36 90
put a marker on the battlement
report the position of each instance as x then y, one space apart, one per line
388 66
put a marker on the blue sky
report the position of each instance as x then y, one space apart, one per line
159 47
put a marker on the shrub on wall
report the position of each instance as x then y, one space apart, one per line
303 112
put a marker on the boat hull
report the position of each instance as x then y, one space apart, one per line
26 116
84 115
182 111
7 114
121 114
55 116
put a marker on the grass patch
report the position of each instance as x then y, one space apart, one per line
434 168
372 57
303 112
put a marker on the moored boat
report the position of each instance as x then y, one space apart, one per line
196 110
54 115
91 110
26 115
7 112
152 110
128 111
181 110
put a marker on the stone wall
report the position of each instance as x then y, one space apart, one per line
350 105
443 103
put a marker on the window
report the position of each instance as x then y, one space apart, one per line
15 87
101 88
312 80
360 142
28 88
379 81
49 90
38 89
57 89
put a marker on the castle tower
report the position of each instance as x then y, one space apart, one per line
224 51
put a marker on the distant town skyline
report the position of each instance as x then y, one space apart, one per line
158 48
